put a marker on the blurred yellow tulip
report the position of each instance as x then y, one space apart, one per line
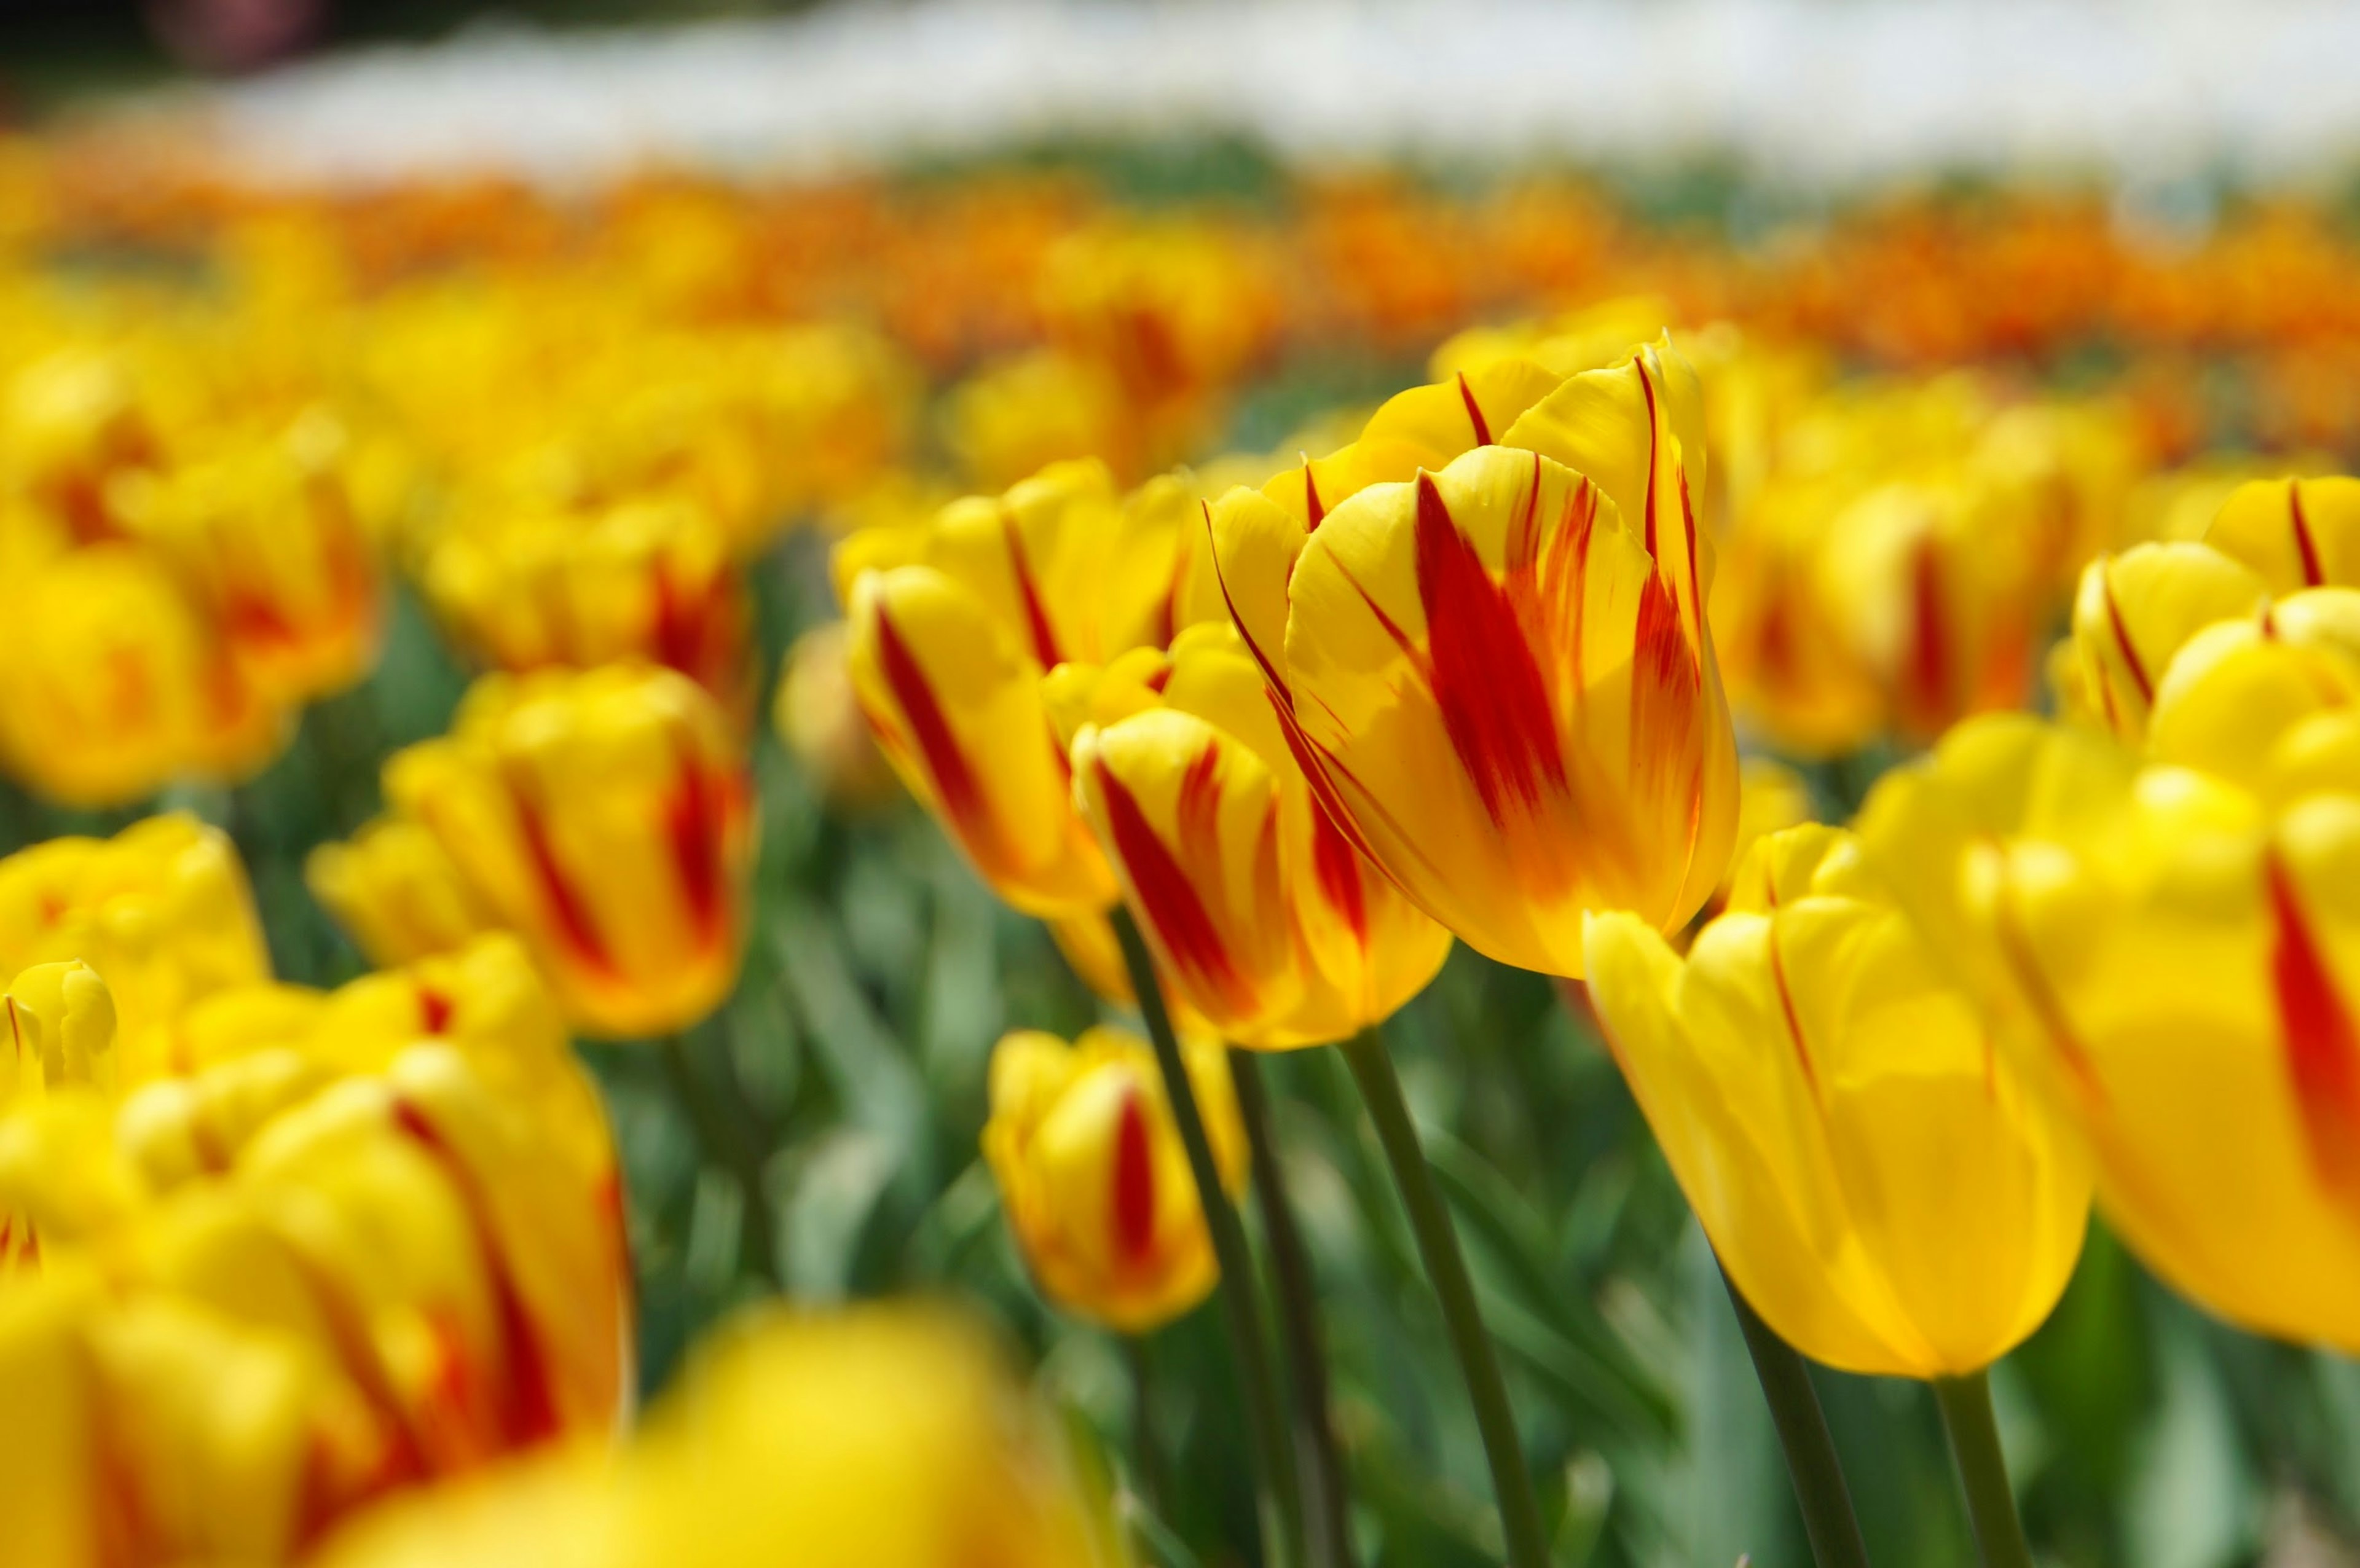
1093 1177
1872 1175
817 714
883 1437
1496 672
1262 916
2132 613
2297 533
161 912
604 816
60 1030
397 892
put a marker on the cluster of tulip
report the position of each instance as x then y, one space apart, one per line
1260 740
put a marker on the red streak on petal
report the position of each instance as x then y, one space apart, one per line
2123 636
531 1415
433 1011
1314 511
1280 696
1494 699
957 790
1168 898
1158 680
1474 411
1199 806
2017 950
1929 662
1134 1185
1337 867
557 890
2313 576
1787 1006
2323 1049
692 825
1036 614
1647 386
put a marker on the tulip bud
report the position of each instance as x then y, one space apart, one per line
1870 1175
1500 688
605 818
1096 1185
397 892
161 911
1265 920
2134 612
112 683
2297 533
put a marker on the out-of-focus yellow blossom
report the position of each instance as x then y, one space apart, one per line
883 1437
1019 415
398 893
75 424
113 684
952 628
1771 797
1263 917
2132 613
1590 338
604 816
1494 667
1093 1177
2297 533
2172 957
817 714
647 578
266 538
1872 1174
310 1281
60 1030
161 912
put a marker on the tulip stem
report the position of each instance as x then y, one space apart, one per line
1446 1267
1811 1463
1278 1501
1983 1469
1327 1521
1148 1452
723 1137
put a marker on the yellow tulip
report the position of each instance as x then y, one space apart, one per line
1497 674
952 629
606 818
883 1437
2133 613
161 912
2172 956
2297 533
651 579
1020 415
397 892
1093 1177
817 714
1262 916
1873 1176
60 1030
113 683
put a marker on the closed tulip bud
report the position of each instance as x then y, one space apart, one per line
398 893
2297 533
883 1437
2133 613
113 683
605 818
648 579
1261 914
1091 1170
1871 1173
2174 969
266 537
2239 687
1497 675
161 912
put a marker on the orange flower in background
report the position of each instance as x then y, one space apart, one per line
1264 920
1498 674
604 817
1091 1170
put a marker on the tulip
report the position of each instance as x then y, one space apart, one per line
112 683
1873 1176
2165 961
1020 415
603 816
2132 613
1082 1143
1502 690
397 892
1262 916
948 647
60 1030
883 1437
647 578
2297 533
817 714
161 911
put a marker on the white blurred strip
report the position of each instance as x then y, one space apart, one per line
1817 92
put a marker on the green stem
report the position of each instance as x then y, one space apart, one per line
1983 1469
1328 1523
724 1139
1811 1463
1147 1453
1446 1267
1279 1502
